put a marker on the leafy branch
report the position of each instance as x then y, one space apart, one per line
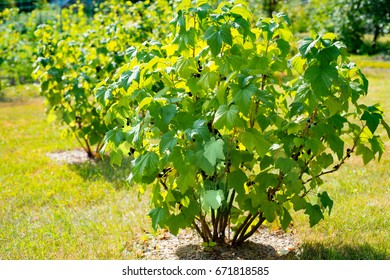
343 160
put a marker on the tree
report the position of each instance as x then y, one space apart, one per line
355 18
378 18
225 140
270 6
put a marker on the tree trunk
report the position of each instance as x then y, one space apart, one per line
376 36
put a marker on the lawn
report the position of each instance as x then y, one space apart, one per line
51 210
58 211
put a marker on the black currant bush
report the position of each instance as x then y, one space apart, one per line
225 141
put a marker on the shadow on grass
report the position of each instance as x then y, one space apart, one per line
3 98
255 251
93 170
248 251
18 93
319 251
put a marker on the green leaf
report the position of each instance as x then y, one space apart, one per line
305 45
177 157
377 146
158 216
386 126
334 105
213 150
326 201
259 64
134 135
336 144
227 116
269 209
55 73
103 94
204 164
298 63
168 141
372 116
268 27
183 120
162 114
367 154
208 80
156 197
213 199
144 166
285 218
285 164
298 202
175 223
186 178
216 35
202 10
242 96
327 55
129 76
315 214
314 145
321 78
179 20
145 102
191 211
199 129
167 113
185 39
252 139
116 157
284 46
236 180
364 80
324 160
244 27
241 10
186 66
229 64
116 136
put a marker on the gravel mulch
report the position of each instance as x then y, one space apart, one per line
69 157
263 245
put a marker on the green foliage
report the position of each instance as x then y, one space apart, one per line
351 20
86 54
355 18
232 144
16 50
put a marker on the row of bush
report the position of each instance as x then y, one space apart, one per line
359 24
86 51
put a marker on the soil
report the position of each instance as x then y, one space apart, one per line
263 245
70 157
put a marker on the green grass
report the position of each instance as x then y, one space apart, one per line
50 210
59 211
17 94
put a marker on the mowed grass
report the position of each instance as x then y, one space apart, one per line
359 224
51 210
